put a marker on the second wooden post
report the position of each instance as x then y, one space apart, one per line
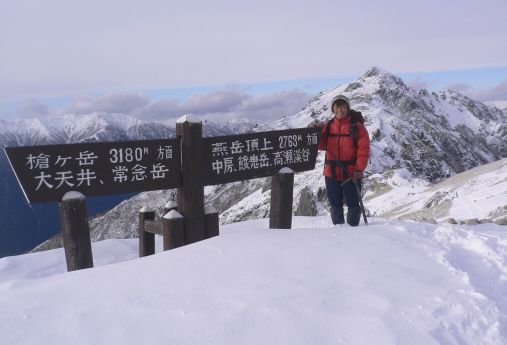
75 231
282 186
191 196
146 239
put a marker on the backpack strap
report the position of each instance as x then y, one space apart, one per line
328 127
354 133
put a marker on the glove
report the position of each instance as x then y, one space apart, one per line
357 175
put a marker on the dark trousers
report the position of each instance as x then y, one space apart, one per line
335 195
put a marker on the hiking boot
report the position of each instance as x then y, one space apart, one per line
337 215
354 215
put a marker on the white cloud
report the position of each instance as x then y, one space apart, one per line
111 103
227 104
495 93
460 87
221 105
215 102
32 108
420 83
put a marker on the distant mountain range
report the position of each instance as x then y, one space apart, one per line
98 127
418 138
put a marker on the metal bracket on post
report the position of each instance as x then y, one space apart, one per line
75 231
282 186
146 239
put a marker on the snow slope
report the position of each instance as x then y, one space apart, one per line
392 282
479 193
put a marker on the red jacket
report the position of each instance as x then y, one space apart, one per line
342 147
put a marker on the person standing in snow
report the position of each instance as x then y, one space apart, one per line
347 145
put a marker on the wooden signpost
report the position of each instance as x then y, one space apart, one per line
189 162
49 172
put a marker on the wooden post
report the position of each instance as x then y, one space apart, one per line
282 186
211 223
75 231
146 239
191 195
171 205
173 230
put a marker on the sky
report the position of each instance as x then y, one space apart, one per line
251 58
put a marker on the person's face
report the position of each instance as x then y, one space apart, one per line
340 109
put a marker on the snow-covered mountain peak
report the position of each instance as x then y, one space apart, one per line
376 77
433 135
374 89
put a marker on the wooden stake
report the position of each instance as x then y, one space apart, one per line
75 231
282 186
173 230
146 239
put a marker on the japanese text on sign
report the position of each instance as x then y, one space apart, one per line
46 172
260 154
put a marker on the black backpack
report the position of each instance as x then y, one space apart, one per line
355 117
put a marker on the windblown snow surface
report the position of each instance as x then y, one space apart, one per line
391 282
